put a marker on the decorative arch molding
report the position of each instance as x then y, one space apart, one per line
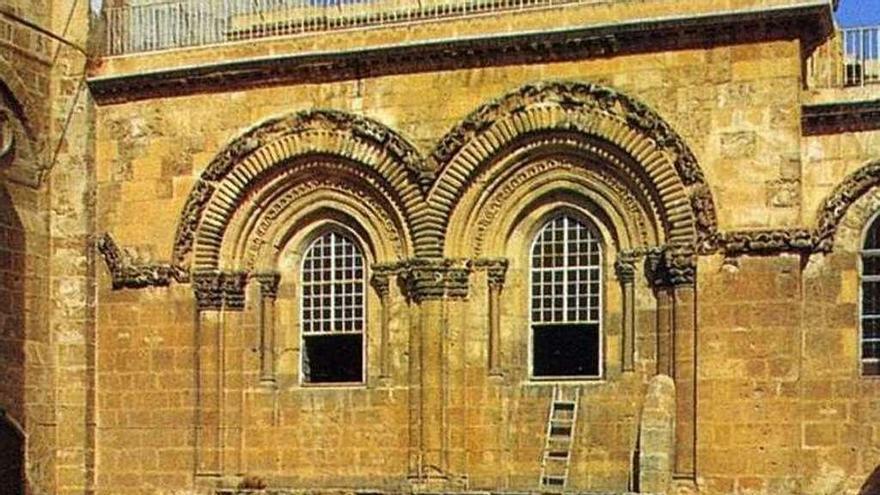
834 208
380 155
263 219
593 112
494 214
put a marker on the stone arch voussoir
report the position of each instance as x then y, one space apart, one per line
588 110
835 206
383 157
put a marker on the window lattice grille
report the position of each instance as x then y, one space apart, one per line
870 307
333 286
566 273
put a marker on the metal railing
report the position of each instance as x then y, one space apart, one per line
186 23
850 59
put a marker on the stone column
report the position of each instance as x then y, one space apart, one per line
215 293
496 271
380 281
625 269
682 267
268 293
430 283
656 273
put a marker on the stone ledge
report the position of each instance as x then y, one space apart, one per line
841 117
810 23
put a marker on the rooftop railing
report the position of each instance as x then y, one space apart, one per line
851 59
187 23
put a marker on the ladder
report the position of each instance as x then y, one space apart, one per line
558 444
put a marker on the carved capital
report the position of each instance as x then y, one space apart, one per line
681 265
220 290
381 281
428 279
268 284
625 267
671 266
655 268
128 274
496 271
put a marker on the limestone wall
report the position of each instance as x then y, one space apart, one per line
730 104
780 406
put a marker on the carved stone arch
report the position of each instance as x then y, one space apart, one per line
381 159
595 114
596 174
284 202
835 216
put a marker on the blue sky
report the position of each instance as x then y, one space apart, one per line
858 12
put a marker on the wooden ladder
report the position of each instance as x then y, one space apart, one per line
561 422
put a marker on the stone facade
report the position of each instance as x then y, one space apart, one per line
156 210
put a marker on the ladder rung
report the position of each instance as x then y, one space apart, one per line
565 421
557 455
554 480
565 405
560 431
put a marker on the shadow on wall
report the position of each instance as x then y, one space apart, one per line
11 458
12 340
872 484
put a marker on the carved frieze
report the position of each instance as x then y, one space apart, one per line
429 279
766 242
220 290
129 274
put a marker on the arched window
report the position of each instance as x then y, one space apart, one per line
566 300
333 310
870 309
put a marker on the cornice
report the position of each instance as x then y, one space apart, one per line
129 274
810 23
840 117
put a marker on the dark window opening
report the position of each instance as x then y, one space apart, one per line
11 459
333 358
565 350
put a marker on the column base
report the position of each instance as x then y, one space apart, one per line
436 483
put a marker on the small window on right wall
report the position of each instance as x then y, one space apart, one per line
870 307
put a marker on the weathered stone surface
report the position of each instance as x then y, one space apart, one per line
158 387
